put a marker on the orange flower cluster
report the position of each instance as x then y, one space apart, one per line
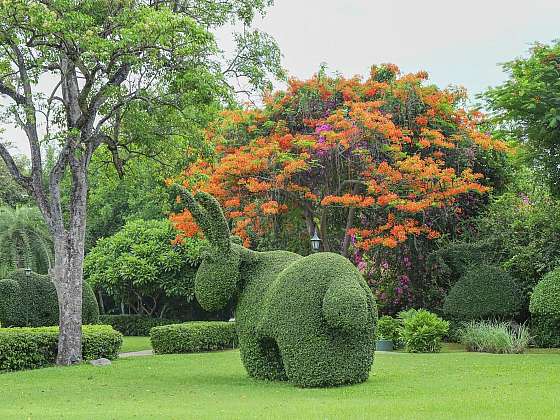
342 142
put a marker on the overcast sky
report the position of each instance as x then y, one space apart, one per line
459 43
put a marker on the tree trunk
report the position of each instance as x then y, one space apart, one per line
68 270
68 279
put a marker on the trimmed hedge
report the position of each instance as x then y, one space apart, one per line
484 292
545 310
134 325
193 337
29 348
309 320
31 301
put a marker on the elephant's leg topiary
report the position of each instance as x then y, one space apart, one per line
310 320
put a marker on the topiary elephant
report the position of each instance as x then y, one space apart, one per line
309 320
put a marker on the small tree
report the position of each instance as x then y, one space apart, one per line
99 60
139 265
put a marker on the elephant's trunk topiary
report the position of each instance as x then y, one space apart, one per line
309 320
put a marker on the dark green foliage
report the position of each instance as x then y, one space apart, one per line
388 328
483 292
31 301
134 325
193 337
423 331
310 320
29 348
519 232
545 330
545 310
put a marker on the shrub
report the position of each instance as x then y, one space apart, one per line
31 301
545 310
29 348
388 328
134 325
193 337
310 320
484 292
423 331
141 266
494 337
545 330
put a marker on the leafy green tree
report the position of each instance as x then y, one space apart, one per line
141 266
25 240
98 61
527 108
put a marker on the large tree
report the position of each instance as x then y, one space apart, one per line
75 70
526 107
390 155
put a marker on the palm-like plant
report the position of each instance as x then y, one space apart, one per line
25 241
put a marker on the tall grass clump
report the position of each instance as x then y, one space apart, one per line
494 337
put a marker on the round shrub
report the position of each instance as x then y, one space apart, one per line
423 331
545 310
193 337
31 301
134 325
29 348
545 299
484 292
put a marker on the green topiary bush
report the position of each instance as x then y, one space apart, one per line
484 292
29 348
423 331
31 301
134 325
193 337
309 320
545 310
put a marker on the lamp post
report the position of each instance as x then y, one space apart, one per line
315 242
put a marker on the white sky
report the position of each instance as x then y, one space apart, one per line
457 42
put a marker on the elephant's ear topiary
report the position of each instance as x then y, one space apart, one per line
545 300
483 292
217 277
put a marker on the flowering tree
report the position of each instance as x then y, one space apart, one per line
368 163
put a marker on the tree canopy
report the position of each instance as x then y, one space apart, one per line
526 107
392 152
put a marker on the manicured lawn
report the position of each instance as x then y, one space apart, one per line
135 344
214 385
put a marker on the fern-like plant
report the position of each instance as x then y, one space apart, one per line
25 241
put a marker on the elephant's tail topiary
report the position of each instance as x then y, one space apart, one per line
345 306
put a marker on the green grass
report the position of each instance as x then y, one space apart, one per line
214 385
135 344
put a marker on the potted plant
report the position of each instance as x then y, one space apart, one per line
388 333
